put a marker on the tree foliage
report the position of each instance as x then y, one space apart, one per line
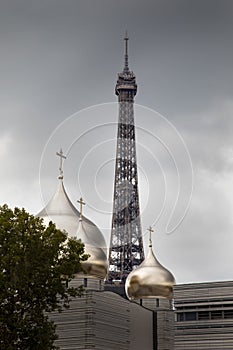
35 264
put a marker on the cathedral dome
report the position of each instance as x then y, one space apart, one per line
97 263
66 217
150 280
62 212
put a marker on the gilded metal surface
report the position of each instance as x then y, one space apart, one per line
97 263
150 280
61 211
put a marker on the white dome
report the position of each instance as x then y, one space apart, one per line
62 212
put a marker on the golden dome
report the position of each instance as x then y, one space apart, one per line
97 263
150 280
62 212
66 217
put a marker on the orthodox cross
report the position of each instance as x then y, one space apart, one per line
61 155
81 202
150 229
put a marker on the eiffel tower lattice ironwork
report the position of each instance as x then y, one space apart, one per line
126 245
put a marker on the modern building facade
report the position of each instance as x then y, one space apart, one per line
102 320
204 316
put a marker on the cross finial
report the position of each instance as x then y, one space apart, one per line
61 155
126 67
150 229
81 202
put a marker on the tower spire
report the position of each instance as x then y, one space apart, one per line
126 66
126 246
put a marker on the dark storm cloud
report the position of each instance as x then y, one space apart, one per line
59 56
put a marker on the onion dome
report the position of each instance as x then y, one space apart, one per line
62 212
150 279
66 217
97 263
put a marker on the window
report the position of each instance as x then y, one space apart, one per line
203 315
216 315
190 316
228 313
180 317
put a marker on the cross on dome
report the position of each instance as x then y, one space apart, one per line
150 229
81 202
62 157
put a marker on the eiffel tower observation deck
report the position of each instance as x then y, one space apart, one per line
126 245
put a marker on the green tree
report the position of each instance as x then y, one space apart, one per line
36 262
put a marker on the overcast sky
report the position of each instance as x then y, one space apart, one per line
59 57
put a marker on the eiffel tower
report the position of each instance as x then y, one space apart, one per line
126 245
